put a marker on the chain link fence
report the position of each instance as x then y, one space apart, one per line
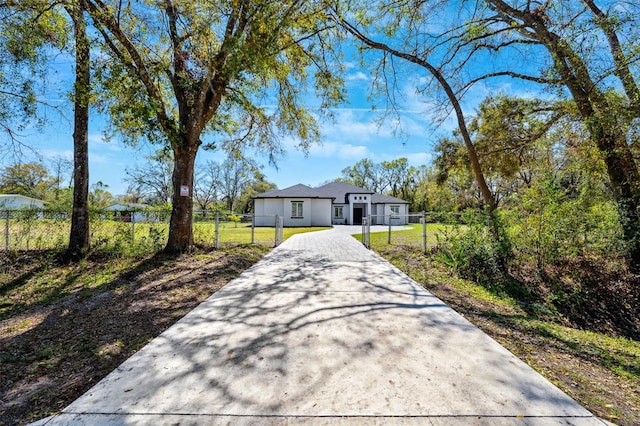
420 230
32 229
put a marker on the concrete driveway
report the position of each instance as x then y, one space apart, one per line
323 331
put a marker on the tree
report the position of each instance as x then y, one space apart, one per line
406 19
29 179
260 185
572 48
365 174
79 235
202 67
100 197
207 186
62 169
589 68
510 132
398 177
31 27
27 29
238 173
152 181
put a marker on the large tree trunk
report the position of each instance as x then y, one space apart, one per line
79 236
600 117
625 182
180 227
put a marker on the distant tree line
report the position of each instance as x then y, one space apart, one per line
227 186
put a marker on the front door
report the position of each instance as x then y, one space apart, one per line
357 215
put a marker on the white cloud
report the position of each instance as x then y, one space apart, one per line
344 151
419 158
99 142
357 76
52 153
354 125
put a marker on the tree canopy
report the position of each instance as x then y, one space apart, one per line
180 70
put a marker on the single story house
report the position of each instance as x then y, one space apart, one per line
336 203
131 212
17 201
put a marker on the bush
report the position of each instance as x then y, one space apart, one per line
481 254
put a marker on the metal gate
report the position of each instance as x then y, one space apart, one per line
366 231
279 225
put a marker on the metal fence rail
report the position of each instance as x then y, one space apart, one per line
421 230
144 229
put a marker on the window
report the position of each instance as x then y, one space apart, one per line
296 209
337 212
395 209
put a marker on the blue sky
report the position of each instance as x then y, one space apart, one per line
355 133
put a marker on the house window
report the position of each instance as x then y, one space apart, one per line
395 209
296 209
337 212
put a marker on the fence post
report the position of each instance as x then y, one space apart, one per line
216 243
253 228
424 232
389 236
279 234
6 230
133 228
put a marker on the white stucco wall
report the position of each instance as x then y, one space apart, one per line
400 219
321 212
267 209
315 212
345 215
359 200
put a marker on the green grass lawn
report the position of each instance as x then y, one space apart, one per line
232 233
43 234
412 236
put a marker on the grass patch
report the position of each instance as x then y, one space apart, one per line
411 235
136 239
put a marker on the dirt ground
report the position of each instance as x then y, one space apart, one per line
53 352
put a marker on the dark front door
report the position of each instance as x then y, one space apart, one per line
357 215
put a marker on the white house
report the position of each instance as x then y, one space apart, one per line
298 205
16 202
128 212
336 203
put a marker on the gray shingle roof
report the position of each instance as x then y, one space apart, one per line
339 190
335 190
295 191
386 199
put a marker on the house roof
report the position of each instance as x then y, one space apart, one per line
335 190
120 205
339 190
20 197
295 191
386 199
